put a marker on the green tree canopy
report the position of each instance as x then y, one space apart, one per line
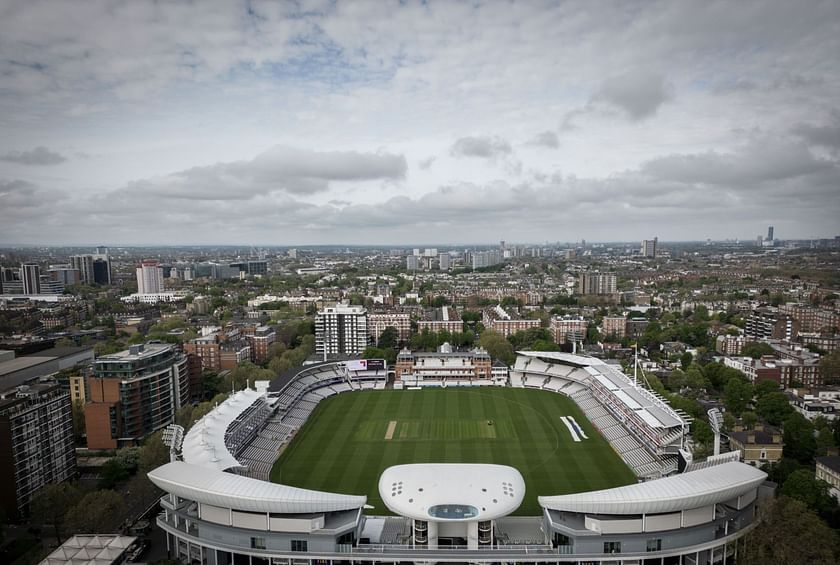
98 511
756 350
774 408
737 394
800 443
497 346
51 504
790 533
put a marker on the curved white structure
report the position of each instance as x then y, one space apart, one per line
697 489
452 492
226 490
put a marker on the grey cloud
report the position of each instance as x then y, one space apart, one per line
426 164
826 135
546 139
286 169
757 162
485 147
37 156
639 94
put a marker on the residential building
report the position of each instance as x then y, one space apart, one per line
597 283
445 260
828 470
444 319
443 365
614 327
65 274
730 344
36 442
482 259
649 247
260 338
758 446
30 274
400 321
812 319
635 327
769 323
134 393
341 330
568 328
83 264
500 320
149 277
412 262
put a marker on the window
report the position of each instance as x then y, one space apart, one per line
612 547
763 455
654 545
258 543
299 545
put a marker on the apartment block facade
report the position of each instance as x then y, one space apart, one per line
134 393
36 442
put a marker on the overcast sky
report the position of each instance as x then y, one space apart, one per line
141 122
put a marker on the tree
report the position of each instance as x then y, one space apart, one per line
389 338
804 487
774 408
764 387
685 360
98 511
790 533
65 342
50 505
113 472
153 454
497 346
737 393
800 443
756 350
749 419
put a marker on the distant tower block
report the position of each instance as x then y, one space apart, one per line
770 233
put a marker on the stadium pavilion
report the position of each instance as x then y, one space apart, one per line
220 509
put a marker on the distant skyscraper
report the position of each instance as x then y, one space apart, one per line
649 247
770 233
94 268
30 274
444 261
412 262
149 277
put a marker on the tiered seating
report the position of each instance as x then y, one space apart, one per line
571 388
555 385
380 385
341 387
613 433
625 443
534 382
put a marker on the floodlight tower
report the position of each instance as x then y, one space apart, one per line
173 437
716 423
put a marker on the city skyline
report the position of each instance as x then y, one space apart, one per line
374 124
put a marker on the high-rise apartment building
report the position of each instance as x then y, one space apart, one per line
341 330
30 274
36 442
770 233
568 328
94 268
149 277
597 283
486 258
649 247
444 259
412 262
134 393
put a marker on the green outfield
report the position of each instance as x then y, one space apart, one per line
352 437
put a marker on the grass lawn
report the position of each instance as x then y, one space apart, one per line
342 447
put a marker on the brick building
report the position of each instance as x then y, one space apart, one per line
568 328
443 365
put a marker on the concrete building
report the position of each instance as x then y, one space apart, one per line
400 321
597 283
566 329
445 260
649 247
482 259
341 330
730 344
36 442
30 274
149 277
134 393
769 323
